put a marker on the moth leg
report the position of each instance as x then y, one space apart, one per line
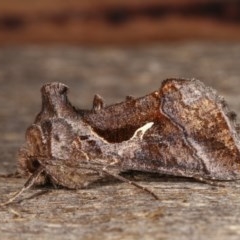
123 179
207 181
29 183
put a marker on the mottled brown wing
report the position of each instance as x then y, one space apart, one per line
165 150
203 118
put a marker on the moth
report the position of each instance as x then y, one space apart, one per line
183 129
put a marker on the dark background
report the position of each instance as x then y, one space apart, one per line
117 22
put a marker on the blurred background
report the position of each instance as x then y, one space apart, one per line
117 21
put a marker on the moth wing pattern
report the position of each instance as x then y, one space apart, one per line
183 129
199 112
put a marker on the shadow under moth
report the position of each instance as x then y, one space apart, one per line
183 129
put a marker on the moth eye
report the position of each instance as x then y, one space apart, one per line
33 164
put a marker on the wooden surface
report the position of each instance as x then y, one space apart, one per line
110 209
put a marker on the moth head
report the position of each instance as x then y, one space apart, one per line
29 155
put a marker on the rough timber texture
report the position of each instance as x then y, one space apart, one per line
113 210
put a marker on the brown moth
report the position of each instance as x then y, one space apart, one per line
183 129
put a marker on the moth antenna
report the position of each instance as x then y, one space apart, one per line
29 183
123 179
98 103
